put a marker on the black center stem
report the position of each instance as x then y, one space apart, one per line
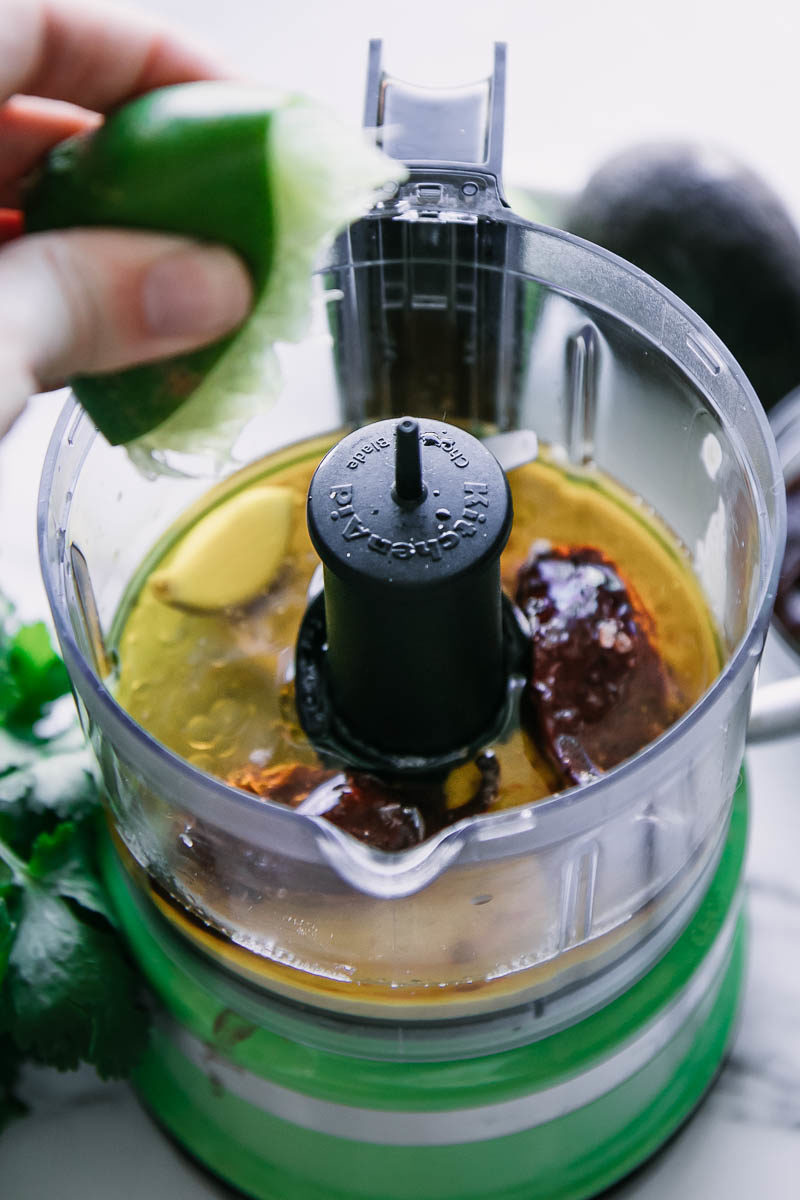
408 483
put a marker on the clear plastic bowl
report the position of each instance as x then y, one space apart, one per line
561 904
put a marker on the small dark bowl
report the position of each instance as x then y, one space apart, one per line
784 420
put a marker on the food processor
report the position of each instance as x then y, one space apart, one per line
529 1002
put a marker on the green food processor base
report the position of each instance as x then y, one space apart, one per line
559 1118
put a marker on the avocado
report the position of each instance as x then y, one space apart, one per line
713 232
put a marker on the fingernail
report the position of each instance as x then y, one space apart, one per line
199 291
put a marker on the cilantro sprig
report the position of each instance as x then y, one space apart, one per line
67 991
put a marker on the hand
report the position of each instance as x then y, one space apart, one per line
93 300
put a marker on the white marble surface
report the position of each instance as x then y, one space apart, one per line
584 79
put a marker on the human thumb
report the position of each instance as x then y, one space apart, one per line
88 301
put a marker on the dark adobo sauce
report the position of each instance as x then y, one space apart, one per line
598 690
386 814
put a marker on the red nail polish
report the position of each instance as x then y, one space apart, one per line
12 224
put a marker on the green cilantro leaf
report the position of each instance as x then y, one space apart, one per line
16 752
62 860
31 673
10 692
6 936
69 995
39 674
61 784
67 991
42 785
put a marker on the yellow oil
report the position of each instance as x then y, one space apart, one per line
215 688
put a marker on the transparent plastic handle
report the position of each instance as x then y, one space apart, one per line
445 136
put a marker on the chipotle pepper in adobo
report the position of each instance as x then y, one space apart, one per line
598 690
390 815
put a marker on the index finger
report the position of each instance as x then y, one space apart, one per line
90 54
